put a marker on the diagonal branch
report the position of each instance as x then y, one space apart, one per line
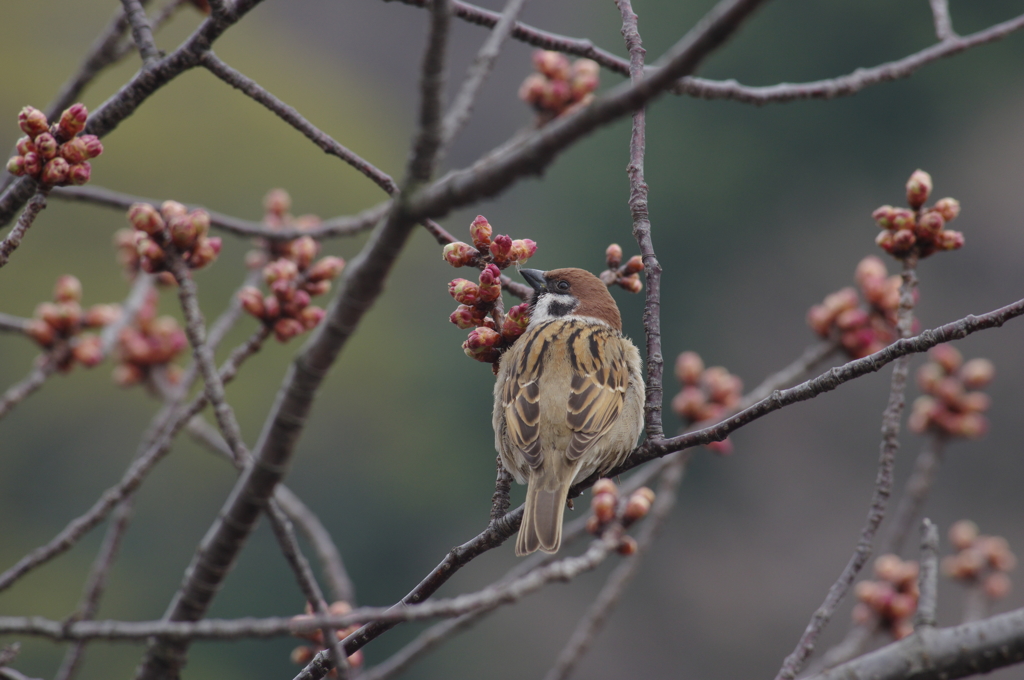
28 216
142 32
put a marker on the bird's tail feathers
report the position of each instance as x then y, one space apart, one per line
542 517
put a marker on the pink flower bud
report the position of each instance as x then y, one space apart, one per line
88 350
55 171
299 301
183 232
962 534
280 270
72 121
40 331
74 151
93 145
459 254
500 248
947 239
870 269
627 546
852 318
637 507
466 317
326 269
613 256
583 82
903 240
919 186
98 316
884 216
32 121
205 252
516 321
147 248
311 316
482 344
902 219
972 426
480 232
977 373
634 265
33 164
556 96
947 356
170 209
201 221
632 283
997 586
67 289
67 318
46 146
315 288
277 202
533 88
490 283
25 145
552 64
522 250
287 328
271 307
16 165
689 403
464 291
603 507
976 402
949 208
689 367
80 173
145 218
252 301
930 224
303 250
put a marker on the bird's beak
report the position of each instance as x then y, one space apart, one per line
535 278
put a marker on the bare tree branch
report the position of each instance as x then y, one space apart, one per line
928 579
13 324
28 216
915 493
142 32
46 365
943 24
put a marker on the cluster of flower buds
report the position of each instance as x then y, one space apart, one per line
490 331
559 86
627 276
706 394
63 320
54 155
276 215
293 282
921 230
149 343
500 251
605 507
861 329
173 226
303 654
891 600
979 560
951 404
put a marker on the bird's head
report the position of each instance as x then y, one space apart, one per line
570 292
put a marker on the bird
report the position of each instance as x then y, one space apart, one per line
568 399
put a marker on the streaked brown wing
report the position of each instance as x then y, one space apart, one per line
521 395
598 387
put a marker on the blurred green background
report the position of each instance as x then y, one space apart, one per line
757 212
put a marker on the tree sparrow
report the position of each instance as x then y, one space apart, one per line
568 400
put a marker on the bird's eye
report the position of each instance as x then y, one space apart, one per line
562 286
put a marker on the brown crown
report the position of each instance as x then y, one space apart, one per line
595 300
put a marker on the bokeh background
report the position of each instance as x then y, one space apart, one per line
757 213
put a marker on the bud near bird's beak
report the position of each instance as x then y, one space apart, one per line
535 278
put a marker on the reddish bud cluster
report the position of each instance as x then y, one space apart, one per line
979 560
303 654
918 230
54 155
63 320
706 394
605 507
276 206
951 404
150 343
559 86
501 251
287 309
890 601
491 332
861 330
626 275
173 226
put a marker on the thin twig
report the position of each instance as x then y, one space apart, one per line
915 493
891 418
46 365
132 477
129 310
595 618
461 108
28 216
928 579
642 232
13 324
943 24
142 32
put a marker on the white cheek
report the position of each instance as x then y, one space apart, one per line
550 303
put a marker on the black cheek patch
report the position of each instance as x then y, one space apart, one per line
559 308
